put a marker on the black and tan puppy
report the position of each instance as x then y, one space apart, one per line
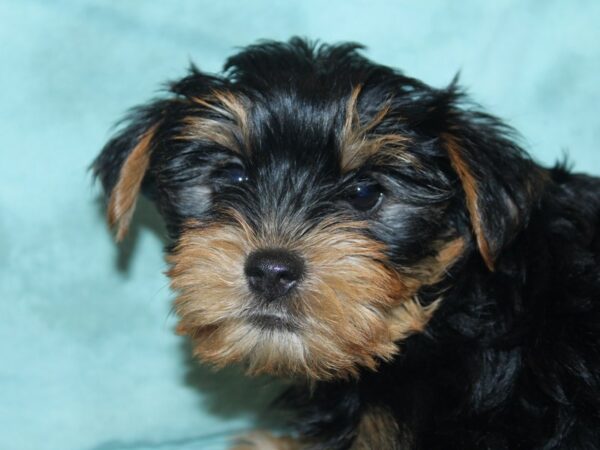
384 244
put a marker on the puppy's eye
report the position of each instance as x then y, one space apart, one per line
365 196
233 173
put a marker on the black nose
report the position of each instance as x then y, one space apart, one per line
271 273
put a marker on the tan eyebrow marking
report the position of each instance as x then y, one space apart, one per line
358 142
229 128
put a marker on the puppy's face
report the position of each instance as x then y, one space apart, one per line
304 250
311 195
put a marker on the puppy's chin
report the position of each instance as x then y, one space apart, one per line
272 345
263 344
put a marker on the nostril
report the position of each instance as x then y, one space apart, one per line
273 272
286 280
286 277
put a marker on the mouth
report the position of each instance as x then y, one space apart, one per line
270 321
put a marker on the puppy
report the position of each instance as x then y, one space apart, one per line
384 244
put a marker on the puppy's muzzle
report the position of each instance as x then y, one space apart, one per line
273 273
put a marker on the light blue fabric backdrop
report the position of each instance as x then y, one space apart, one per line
88 358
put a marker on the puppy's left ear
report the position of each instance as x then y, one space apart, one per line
124 162
500 182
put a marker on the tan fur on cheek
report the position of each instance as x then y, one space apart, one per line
348 312
338 307
411 316
345 299
206 269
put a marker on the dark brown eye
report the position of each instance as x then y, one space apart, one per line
365 196
233 173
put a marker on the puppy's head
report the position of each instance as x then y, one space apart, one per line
311 194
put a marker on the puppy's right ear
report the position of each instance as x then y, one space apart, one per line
124 162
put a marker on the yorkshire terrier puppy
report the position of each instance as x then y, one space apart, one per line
384 244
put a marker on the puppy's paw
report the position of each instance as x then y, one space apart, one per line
261 440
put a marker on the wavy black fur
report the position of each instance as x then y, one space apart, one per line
511 360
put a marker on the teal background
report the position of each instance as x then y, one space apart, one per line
88 358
